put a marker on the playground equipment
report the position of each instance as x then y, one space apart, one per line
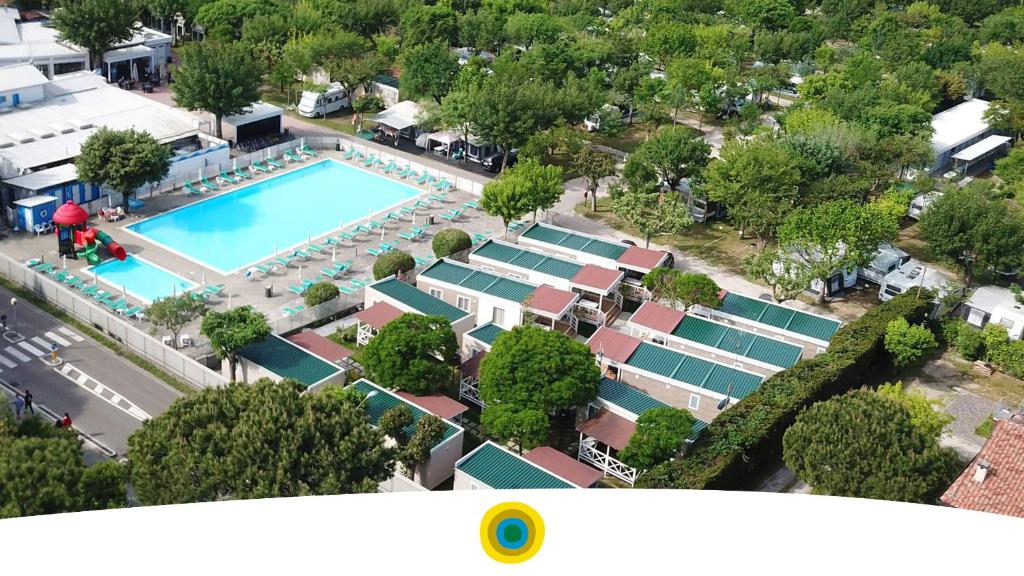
72 231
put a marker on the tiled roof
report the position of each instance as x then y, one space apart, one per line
1002 490
644 258
694 371
437 404
732 340
498 468
521 258
652 315
627 397
288 360
780 317
613 345
322 347
487 333
418 300
478 281
552 300
384 400
378 315
572 241
565 467
609 428
597 277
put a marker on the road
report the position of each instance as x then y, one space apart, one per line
106 396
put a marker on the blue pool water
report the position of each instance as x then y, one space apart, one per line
140 278
242 228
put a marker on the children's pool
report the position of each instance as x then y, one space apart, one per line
241 228
141 279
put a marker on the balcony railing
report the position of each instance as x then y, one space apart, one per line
635 291
603 461
469 390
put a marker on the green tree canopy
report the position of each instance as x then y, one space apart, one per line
593 165
652 214
412 353
687 288
864 445
782 270
672 154
231 331
96 25
422 24
428 71
319 293
393 262
175 312
124 160
264 440
222 79
450 241
908 343
925 413
529 373
1011 171
394 421
429 432
660 434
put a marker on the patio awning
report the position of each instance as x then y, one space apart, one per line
378 315
445 137
975 151
608 428
128 53
399 116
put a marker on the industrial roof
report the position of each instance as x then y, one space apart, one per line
39 42
975 151
470 278
378 315
322 347
959 124
8 26
33 201
602 279
569 468
257 111
742 343
810 325
1000 489
660 318
552 301
627 397
288 360
18 76
613 345
574 241
487 333
498 468
521 258
643 258
45 178
694 371
418 300
385 399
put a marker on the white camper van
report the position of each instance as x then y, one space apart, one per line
887 259
998 305
921 202
315 104
915 274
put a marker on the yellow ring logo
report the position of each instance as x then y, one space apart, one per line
511 532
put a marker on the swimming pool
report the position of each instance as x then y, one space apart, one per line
140 278
244 227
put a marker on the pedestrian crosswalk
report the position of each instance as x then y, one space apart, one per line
36 346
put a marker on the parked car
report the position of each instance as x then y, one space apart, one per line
492 163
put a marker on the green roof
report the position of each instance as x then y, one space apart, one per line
520 258
567 239
288 360
780 317
627 397
479 281
694 371
384 400
419 300
503 470
729 339
387 80
487 333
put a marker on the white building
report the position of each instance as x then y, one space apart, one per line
956 129
998 305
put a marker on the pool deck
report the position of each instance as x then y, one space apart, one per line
240 291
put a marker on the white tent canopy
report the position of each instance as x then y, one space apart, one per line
446 137
975 151
400 116
129 53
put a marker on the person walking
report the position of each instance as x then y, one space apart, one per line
29 408
66 422
19 405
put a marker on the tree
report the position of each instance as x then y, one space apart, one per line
103 486
509 107
264 440
593 165
925 414
220 79
762 14
864 445
429 432
543 184
660 434
428 71
123 160
757 180
908 343
529 373
652 214
450 241
95 25
529 29
506 197
175 312
1011 170
673 154
394 421
694 289
412 353
231 331
840 235
973 226
425 24
392 263
781 270
319 293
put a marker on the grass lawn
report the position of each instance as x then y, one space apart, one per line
985 428
340 121
347 338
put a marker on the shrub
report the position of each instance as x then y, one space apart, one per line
660 434
908 343
319 293
951 330
970 344
450 241
748 436
391 263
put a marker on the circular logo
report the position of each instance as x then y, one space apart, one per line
511 532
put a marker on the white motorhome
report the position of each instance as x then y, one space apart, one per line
315 104
887 259
921 202
915 274
996 305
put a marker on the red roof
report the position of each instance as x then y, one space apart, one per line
608 428
378 315
641 257
1001 490
320 346
437 404
551 300
471 367
597 277
615 346
657 317
559 464
70 214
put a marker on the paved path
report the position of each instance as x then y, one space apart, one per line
106 396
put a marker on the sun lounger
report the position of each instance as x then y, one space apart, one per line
350 154
345 290
471 204
265 268
242 173
299 289
115 305
293 311
300 253
451 216
273 163
332 272
214 289
424 179
389 167
259 167
209 185
343 266
190 191
404 172
44 268
407 236
76 284
358 284
59 275
199 296
361 228
371 159
392 216
422 203
374 224
228 178
133 311
374 251
387 247
443 186
90 290
423 260
315 248
283 260
345 236
406 211
291 157
516 225
305 149
418 230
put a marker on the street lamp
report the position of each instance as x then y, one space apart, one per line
14 313
369 395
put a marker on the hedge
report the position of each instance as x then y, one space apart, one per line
747 438
394 262
450 241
